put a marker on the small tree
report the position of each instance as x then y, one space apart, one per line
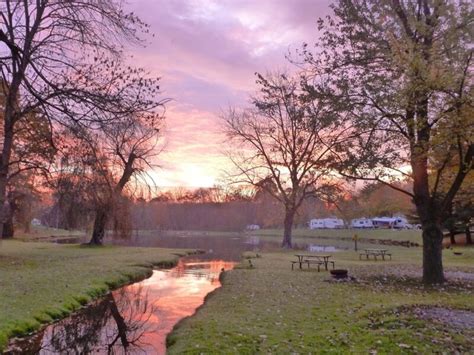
23 198
401 73
121 153
287 140
70 184
30 158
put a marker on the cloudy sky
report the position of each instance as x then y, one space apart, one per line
206 52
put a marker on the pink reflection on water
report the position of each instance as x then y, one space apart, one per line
173 295
133 319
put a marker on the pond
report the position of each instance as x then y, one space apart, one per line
137 318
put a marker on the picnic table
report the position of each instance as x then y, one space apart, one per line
375 252
312 259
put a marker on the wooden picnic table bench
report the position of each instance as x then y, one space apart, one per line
309 259
375 252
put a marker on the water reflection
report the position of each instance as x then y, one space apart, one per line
133 319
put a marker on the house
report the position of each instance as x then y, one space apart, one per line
329 223
362 223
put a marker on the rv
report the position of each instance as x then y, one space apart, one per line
362 223
328 223
390 222
316 224
252 227
35 222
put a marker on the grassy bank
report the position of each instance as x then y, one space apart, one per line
43 233
271 309
41 282
309 235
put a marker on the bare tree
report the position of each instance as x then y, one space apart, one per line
286 139
62 58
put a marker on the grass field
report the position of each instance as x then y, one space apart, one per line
385 234
271 309
42 233
308 234
40 282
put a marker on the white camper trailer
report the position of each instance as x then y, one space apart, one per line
252 227
362 223
35 222
402 223
333 223
329 223
316 224
391 222
383 222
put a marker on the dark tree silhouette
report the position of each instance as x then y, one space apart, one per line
62 58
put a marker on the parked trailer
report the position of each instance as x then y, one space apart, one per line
252 227
326 223
391 222
362 223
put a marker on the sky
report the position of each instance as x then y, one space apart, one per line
206 53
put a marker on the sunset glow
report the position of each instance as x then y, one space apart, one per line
207 53
236 176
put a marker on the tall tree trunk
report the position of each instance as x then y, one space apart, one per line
288 228
27 226
452 236
4 170
8 137
468 235
8 230
100 223
432 254
426 207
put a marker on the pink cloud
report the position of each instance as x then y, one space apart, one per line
207 53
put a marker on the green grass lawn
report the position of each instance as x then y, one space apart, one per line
40 282
305 233
43 233
385 234
271 309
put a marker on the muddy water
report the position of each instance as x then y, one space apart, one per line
134 318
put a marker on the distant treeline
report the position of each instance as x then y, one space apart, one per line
224 216
216 209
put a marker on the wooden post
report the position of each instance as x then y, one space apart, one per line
355 238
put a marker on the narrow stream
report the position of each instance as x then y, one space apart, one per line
138 317
133 319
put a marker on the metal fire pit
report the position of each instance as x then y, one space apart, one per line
339 274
